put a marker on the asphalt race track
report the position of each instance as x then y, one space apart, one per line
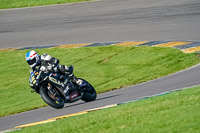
103 21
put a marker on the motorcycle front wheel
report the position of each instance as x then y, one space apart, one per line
89 93
53 100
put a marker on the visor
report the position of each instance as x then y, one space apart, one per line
31 62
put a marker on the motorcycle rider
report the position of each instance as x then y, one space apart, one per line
51 64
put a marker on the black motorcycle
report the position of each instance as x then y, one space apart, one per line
49 86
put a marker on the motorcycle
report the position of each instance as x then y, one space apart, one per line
49 86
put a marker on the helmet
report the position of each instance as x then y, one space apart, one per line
32 58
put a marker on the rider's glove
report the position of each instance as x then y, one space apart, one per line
49 68
43 68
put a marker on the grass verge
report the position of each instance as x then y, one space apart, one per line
175 112
106 68
6 4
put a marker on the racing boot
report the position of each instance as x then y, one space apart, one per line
74 79
68 71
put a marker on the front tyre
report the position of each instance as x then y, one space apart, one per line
55 101
89 94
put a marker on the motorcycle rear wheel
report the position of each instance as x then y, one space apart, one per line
55 102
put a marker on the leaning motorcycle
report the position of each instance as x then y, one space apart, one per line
49 86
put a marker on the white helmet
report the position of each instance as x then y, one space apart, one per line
32 58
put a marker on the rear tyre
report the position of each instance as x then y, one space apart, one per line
89 94
53 101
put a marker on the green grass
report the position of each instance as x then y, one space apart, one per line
106 68
5 4
177 112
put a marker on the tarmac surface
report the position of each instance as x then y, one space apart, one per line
101 21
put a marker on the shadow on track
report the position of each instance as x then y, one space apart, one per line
98 99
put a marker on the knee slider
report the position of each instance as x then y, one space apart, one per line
62 68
